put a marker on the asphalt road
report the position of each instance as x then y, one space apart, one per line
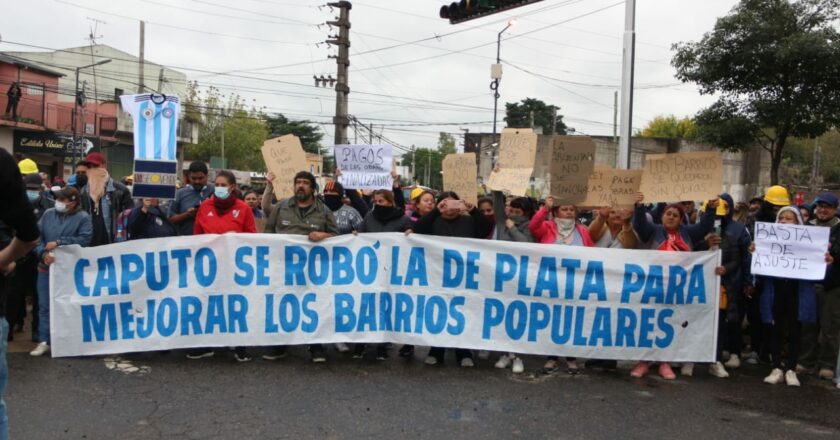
151 395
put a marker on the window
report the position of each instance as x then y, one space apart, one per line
33 90
120 161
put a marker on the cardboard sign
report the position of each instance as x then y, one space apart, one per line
613 188
365 166
284 156
682 176
517 152
572 160
790 251
459 175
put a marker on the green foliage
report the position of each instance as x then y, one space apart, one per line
774 65
797 166
428 165
669 127
446 144
244 130
518 115
310 134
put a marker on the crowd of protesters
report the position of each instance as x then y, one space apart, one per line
791 326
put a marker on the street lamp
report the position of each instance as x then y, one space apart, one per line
76 100
496 74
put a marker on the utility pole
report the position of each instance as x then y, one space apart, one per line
554 120
342 89
627 66
815 172
224 162
615 116
141 87
531 119
413 165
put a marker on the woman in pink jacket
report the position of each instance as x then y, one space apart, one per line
557 224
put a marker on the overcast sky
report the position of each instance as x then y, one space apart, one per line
572 49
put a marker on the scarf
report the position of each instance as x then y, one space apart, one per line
673 242
386 213
334 202
223 206
565 227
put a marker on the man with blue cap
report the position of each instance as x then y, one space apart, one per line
820 340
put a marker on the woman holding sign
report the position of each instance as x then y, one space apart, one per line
670 236
223 213
785 304
561 229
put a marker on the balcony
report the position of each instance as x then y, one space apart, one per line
35 112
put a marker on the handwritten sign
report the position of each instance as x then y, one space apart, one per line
572 160
459 175
284 156
611 187
682 176
517 152
365 166
790 251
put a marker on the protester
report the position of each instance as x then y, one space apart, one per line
13 94
183 209
562 229
422 203
65 224
18 235
347 218
384 217
148 220
805 212
775 198
106 203
223 213
511 224
25 278
449 219
485 205
611 229
253 202
820 339
670 236
303 214
785 305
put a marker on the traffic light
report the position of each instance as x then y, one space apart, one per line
464 10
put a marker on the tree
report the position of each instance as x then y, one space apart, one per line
669 127
428 165
244 130
310 134
518 115
774 65
446 144
798 163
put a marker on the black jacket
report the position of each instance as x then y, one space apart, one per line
474 225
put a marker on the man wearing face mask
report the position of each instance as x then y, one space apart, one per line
63 225
303 214
347 218
187 199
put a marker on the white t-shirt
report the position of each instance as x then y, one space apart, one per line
155 125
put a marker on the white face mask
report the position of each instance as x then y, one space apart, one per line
60 206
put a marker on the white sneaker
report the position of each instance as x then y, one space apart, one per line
687 369
467 363
752 358
41 349
776 377
483 354
342 347
503 362
733 362
790 379
430 360
519 367
717 370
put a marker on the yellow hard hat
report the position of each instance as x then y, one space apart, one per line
721 210
415 193
27 166
777 195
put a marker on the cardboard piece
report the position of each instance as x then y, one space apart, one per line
790 251
614 188
366 167
682 176
572 160
459 175
284 156
517 153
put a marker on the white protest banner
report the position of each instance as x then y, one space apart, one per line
682 176
284 156
790 251
459 175
267 289
572 160
517 152
365 166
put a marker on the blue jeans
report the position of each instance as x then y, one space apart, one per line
44 307
4 378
